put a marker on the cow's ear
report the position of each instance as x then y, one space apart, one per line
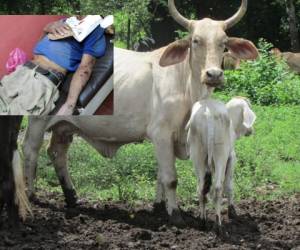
242 48
249 117
175 52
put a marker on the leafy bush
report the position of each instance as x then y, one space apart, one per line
265 81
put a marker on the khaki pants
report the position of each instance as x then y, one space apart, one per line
26 92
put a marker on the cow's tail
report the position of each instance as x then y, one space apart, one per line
20 187
210 148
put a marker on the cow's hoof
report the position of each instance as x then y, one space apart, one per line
232 212
220 231
71 198
159 207
32 197
202 224
1 207
176 219
71 213
13 221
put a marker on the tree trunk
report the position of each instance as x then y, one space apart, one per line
290 8
128 33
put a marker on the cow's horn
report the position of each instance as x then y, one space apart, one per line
230 22
177 16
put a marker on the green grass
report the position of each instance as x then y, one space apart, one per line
24 123
268 164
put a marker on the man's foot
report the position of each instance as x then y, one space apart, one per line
66 109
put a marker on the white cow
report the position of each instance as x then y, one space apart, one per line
154 93
212 131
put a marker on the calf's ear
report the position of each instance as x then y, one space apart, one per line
242 48
175 53
249 117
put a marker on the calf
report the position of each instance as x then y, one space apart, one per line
12 185
212 130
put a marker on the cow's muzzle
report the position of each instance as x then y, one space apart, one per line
214 77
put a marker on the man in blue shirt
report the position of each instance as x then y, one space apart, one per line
53 59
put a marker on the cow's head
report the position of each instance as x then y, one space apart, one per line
206 44
275 52
230 62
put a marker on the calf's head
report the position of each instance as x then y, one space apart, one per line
241 115
206 44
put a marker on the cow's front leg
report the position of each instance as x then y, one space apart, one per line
160 203
57 150
163 143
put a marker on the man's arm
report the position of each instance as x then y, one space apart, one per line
57 28
79 80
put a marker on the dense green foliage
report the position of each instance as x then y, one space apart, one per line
265 81
265 18
268 164
39 6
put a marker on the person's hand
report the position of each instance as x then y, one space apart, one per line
58 28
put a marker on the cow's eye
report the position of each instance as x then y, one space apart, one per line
196 41
222 45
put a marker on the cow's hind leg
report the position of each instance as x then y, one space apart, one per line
9 199
32 143
57 151
1 204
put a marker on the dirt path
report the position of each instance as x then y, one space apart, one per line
261 225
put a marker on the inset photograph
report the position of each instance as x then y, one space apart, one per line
56 65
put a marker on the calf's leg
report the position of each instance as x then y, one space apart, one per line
220 167
198 157
229 185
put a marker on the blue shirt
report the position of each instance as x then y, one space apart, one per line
68 52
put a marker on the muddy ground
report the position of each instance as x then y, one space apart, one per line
261 225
